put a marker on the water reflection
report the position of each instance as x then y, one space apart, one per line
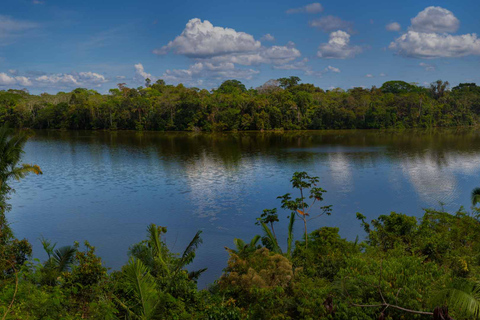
108 186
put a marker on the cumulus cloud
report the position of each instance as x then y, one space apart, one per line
218 52
140 74
309 8
428 37
435 19
201 39
338 47
273 55
426 66
60 80
331 23
268 37
368 75
394 26
6 80
433 45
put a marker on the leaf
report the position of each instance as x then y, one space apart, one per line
189 253
302 213
276 248
63 258
143 287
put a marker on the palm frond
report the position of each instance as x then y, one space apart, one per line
475 196
239 244
275 247
194 275
63 258
253 243
143 287
156 247
462 296
189 253
47 246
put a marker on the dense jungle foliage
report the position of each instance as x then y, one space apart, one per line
278 104
406 268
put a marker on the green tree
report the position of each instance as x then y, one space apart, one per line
11 151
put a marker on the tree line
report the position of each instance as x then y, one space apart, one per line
282 104
406 268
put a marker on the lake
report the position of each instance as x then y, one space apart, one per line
106 187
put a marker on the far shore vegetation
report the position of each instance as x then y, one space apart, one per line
281 104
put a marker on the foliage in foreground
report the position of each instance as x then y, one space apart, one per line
405 269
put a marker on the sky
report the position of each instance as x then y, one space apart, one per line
51 46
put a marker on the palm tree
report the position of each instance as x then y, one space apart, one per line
274 246
243 248
11 150
475 196
59 261
142 288
153 271
462 296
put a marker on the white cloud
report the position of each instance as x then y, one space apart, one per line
394 26
338 47
140 74
60 80
268 37
433 45
331 23
216 53
435 19
368 75
428 37
280 54
120 77
6 80
201 39
382 74
63 80
302 65
272 55
204 70
23 81
297 65
332 69
10 27
310 8
426 66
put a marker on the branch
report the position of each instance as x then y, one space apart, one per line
14 292
387 305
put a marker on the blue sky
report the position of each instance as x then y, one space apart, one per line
50 46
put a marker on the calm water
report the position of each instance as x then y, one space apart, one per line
107 187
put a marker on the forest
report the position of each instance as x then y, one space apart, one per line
281 104
401 268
